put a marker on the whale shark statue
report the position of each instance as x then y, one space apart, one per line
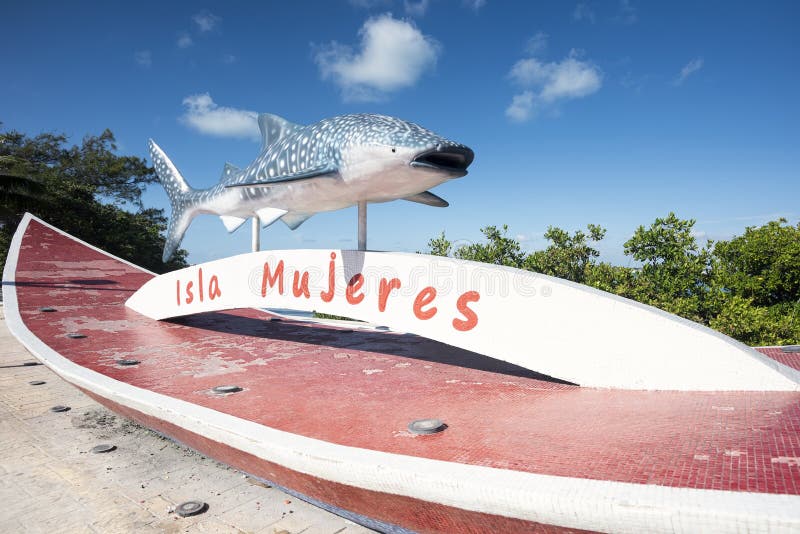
302 170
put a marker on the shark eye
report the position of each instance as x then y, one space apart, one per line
394 149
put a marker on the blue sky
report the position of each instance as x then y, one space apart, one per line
579 112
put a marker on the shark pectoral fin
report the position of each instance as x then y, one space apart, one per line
270 215
428 198
229 171
295 219
323 171
232 223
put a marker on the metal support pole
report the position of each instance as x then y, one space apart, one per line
362 225
256 233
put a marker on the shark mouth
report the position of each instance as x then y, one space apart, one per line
451 159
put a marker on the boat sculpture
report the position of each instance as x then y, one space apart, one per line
324 411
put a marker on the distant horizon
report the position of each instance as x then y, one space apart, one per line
606 113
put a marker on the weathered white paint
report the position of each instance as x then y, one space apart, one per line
570 502
566 330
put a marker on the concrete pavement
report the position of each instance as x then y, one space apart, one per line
51 482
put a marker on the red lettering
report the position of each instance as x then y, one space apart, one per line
353 286
470 317
200 283
178 291
189 294
327 296
270 278
213 288
424 298
383 292
300 288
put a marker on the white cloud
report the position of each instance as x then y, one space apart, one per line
393 54
569 78
475 4
416 9
205 116
537 44
521 107
583 12
368 4
185 40
627 13
633 82
229 58
143 58
523 238
546 84
206 21
689 69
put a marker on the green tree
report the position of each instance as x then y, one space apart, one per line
756 277
676 271
440 246
757 325
567 256
499 249
762 265
19 194
86 190
92 166
612 279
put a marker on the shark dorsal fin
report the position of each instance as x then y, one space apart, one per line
273 128
230 170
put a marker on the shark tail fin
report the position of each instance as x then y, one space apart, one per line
179 193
